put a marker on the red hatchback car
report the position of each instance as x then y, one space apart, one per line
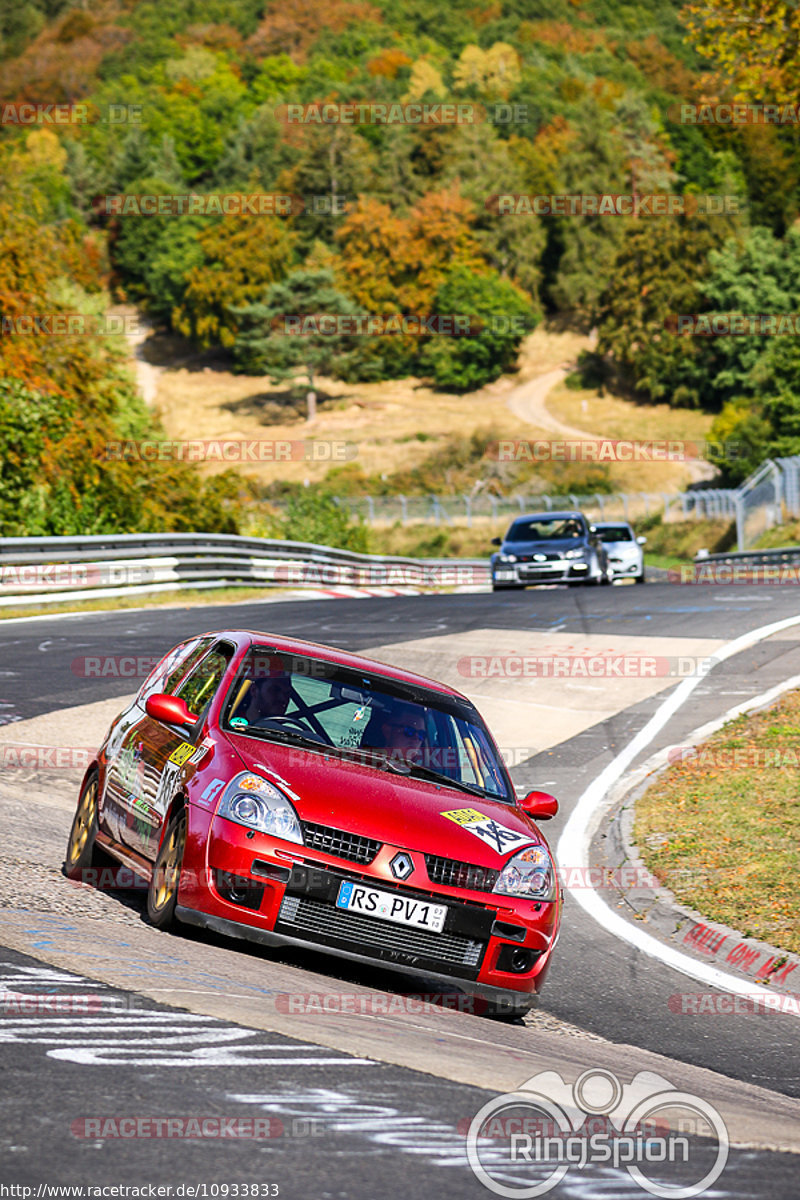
292 793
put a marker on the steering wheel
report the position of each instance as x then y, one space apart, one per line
297 723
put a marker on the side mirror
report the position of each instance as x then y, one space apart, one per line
642 541
497 541
540 805
169 709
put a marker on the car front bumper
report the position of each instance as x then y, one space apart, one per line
620 568
259 888
524 574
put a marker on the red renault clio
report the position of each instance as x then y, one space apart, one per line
292 793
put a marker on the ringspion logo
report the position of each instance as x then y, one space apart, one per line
661 1136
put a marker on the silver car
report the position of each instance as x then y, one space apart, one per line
625 554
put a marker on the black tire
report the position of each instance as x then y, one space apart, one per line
640 578
162 894
84 857
506 587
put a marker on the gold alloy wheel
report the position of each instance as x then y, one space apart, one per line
170 866
82 825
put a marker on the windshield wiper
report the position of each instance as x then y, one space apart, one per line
269 733
474 789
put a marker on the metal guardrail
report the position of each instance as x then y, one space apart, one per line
788 555
51 570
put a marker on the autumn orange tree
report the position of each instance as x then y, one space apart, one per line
242 256
753 47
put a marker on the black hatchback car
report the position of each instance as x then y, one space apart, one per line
549 547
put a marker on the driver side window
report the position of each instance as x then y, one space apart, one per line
200 687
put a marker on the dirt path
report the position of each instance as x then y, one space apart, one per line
528 402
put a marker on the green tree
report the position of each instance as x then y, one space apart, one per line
315 517
659 273
461 364
264 343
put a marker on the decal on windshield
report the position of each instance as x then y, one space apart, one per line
499 837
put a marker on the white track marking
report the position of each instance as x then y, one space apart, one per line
575 840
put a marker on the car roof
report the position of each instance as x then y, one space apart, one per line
343 658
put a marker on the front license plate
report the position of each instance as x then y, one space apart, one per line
403 910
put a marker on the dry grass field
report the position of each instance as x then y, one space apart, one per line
391 426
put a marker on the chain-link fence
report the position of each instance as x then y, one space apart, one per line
770 496
465 509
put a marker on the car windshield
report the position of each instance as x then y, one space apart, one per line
615 533
285 697
542 529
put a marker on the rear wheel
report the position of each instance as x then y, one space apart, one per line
162 895
83 855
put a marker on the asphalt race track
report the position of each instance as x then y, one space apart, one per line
374 1103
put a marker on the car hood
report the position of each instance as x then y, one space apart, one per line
396 809
560 546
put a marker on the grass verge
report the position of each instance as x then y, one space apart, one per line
188 598
722 829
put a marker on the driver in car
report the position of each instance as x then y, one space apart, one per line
400 730
266 697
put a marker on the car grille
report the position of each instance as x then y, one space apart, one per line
340 843
323 922
449 872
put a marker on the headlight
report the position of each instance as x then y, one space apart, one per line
574 554
252 801
529 874
507 558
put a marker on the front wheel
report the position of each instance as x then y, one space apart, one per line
640 578
83 855
162 895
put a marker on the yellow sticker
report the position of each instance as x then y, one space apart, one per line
181 753
464 816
